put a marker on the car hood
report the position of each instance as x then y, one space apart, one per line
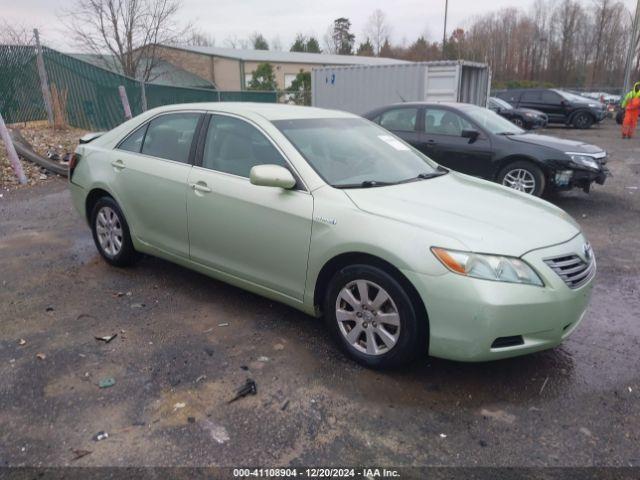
483 216
558 143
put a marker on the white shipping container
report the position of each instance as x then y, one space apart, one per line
361 88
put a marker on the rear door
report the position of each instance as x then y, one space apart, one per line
442 141
151 168
402 121
258 234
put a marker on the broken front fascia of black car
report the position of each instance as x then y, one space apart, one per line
568 174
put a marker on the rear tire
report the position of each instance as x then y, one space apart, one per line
380 331
582 120
111 233
523 176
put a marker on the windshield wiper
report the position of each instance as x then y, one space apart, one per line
427 176
365 184
507 133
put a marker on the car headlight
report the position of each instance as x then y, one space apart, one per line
488 267
584 160
531 115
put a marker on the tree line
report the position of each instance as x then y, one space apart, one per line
568 43
554 42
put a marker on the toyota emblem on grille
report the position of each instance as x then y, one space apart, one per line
587 251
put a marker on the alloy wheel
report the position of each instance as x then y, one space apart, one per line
109 230
368 317
581 121
518 122
521 180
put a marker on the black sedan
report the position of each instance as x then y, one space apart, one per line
526 118
477 141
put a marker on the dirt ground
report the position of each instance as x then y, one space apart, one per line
186 342
43 140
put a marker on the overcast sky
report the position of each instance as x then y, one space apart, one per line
280 19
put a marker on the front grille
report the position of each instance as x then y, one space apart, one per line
572 269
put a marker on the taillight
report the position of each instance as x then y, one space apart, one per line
73 163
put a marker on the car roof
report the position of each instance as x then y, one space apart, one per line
270 111
429 104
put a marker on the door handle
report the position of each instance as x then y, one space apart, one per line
118 164
200 187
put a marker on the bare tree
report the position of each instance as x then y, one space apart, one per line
377 30
198 38
276 43
236 42
15 33
127 31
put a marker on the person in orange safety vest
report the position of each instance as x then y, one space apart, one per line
631 104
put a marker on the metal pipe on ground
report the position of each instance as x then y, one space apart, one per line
25 150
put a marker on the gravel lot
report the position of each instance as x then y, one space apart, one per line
186 342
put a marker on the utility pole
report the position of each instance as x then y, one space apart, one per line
633 44
444 34
44 81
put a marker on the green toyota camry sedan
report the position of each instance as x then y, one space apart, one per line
335 216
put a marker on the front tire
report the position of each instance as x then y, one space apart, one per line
582 121
524 177
111 233
373 318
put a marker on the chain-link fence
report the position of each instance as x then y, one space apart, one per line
86 95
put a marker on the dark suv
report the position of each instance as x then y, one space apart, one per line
560 106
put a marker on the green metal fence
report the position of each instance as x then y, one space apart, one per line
92 99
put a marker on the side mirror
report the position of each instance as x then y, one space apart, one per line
472 135
272 176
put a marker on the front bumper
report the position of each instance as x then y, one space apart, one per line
579 178
466 315
538 122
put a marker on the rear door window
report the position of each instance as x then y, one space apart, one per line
170 136
401 119
133 143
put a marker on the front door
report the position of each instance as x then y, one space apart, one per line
442 141
258 234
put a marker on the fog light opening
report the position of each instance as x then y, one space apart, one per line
563 177
504 342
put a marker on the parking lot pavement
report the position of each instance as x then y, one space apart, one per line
186 342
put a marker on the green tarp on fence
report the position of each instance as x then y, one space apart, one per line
93 102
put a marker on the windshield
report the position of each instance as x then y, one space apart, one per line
353 152
501 103
572 97
491 121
